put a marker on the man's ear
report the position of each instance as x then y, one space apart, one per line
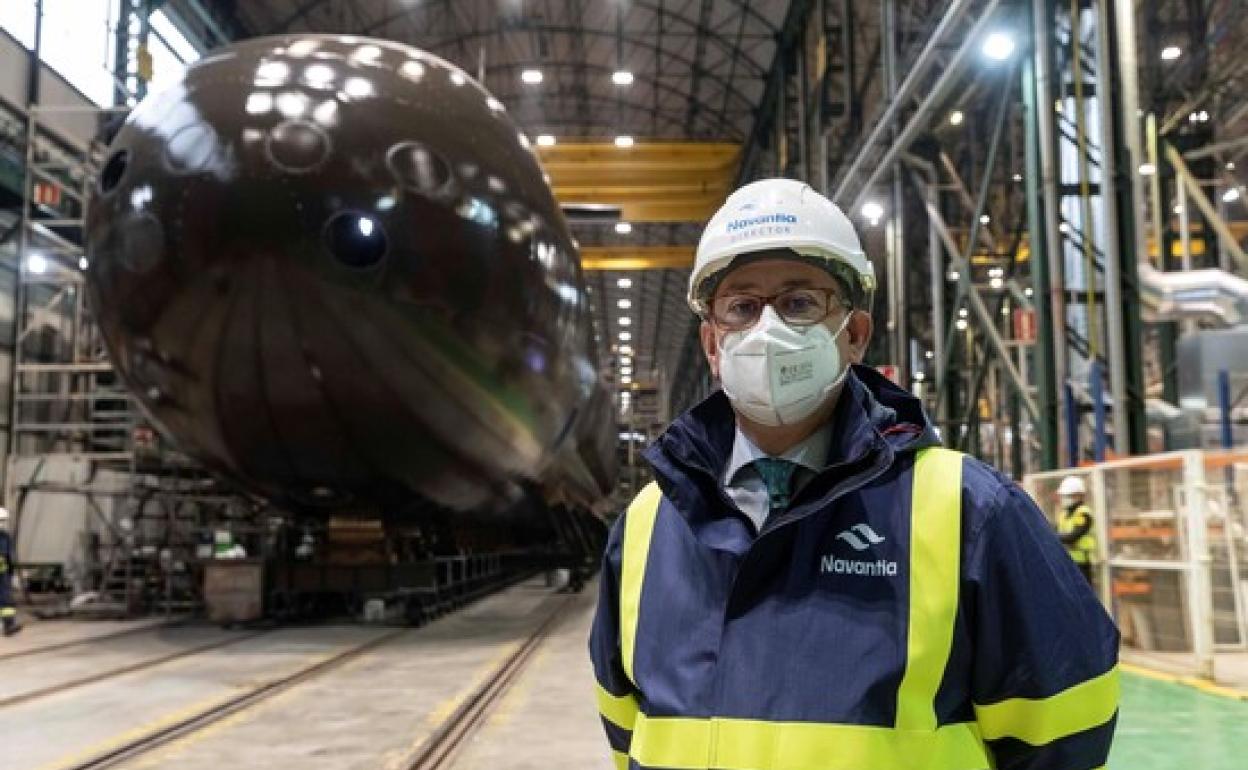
858 332
709 346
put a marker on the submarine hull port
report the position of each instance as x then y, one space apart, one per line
331 270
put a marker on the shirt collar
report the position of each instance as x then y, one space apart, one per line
811 452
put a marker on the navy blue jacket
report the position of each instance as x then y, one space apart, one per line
798 636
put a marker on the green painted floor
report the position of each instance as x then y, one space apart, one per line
1164 726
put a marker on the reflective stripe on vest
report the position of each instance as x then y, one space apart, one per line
916 741
1083 550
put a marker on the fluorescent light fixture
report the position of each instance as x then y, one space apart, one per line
872 210
1171 52
1028 291
545 140
1147 169
625 336
1018 177
626 321
954 275
624 304
929 355
623 228
626 361
624 141
626 350
919 376
961 324
998 46
996 283
627 371
956 117
625 283
963 312
37 264
984 219
532 77
1231 195
624 378
622 78
83 264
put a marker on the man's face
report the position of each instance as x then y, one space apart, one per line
768 277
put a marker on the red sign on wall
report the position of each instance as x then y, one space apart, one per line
1024 324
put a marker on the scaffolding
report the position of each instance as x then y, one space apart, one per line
81 457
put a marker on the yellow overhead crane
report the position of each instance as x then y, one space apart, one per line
649 181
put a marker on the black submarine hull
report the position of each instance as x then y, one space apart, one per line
330 268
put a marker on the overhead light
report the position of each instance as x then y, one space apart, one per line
83 264
1063 227
872 211
1028 291
37 264
626 350
919 376
626 361
1147 169
929 355
1005 310
624 304
963 312
625 336
1171 52
1230 165
954 275
1178 209
626 321
1199 117
998 46
984 219
622 78
627 371
1018 177
623 228
956 117
545 140
532 77
996 283
961 324
624 141
625 283
625 379
1231 195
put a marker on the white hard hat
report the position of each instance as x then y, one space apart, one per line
781 214
1072 485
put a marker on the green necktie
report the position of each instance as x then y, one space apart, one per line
778 476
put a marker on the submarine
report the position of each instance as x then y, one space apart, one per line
331 270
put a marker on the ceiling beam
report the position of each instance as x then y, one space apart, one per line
636 257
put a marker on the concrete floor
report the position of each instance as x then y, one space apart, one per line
376 711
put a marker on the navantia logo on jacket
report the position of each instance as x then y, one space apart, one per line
859 537
930 646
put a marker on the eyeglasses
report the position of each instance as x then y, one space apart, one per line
798 307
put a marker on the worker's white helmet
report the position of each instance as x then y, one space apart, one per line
781 214
1072 485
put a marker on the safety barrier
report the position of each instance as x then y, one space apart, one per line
1172 535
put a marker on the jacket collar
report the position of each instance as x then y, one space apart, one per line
872 415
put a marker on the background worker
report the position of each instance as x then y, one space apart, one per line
8 613
1074 524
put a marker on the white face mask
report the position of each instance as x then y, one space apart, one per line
777 374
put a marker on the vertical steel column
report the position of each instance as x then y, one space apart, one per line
1042 37
1096 388
1119 241
897 231
936 266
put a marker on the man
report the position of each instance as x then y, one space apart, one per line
8 613
1074 525
812 583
